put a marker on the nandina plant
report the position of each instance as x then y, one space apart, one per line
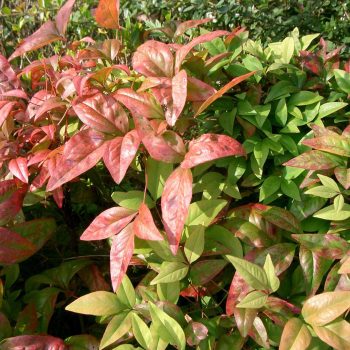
193 139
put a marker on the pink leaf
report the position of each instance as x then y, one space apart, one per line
58 196
33 342
209 147
46 34
121 252
238 290
154 59
102 113
19 168
198 91
179 96
144 226
8 80
63 15
343 176
13 247
108 223
119 154
175 202
184 26
140 104
80 154
107 14
5 110
222 91
184 50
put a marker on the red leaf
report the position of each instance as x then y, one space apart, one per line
179 96
107 14
5 110
198 91
46 34
184 26
48 105
58 196
335 144
33 342
12 199
63 15
10 80
13 247
175 202
108 223
343 176
144 226
102 113
222 91
119 154
154 59
209 147
121 252
140 104
313 160
80 154
184 50
238 290
93 278
19 168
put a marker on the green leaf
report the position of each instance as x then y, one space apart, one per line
295 336
330 213
303 98
287 50
330 108
281 113
132 199
343 80
194 244
126 292
321 191
328 182
141 331
253 300
290 189
269 187
326 307
281 89
117 327
204 212
169 291
338 203
306 41
171 272
167 328
336 334
99 303
253 274
157 174
272 278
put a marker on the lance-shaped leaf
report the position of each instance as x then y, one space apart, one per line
140 104
45 35
19 168
328 246
336 334
175 202
343 176
325 307
119 154
179 96
80 154
222 91
108 223
210 147
63 15
184 50
314 160
11 82
335 144
154 59
238 288
122 250
171 272
205 270
5 109
198 91
144 226
102 113
12 195
107 14
193 23
98 303
295 336
13 247
33 342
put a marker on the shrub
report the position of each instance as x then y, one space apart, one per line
227 165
